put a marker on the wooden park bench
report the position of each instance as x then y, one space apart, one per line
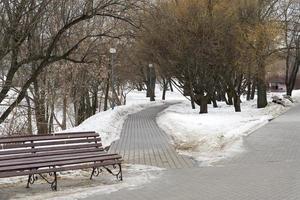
46 155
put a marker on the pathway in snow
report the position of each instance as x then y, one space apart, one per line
268 170
143 142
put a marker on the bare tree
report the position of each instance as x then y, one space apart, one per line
56 24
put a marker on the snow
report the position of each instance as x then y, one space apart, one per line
218 134
74 185
109 123
207 138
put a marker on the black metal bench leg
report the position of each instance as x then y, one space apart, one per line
120 173
28 182
54 183
92 174
96 172
31 179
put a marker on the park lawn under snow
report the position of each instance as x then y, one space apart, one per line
76 184
218 134
109 123
208 137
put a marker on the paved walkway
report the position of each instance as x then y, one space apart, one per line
268 170
143 142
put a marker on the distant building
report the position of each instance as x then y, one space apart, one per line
277 84
276 77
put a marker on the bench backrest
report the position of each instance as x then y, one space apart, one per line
52 144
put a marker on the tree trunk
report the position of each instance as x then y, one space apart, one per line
204 105
171 86
11 73
140 87
106 95
191 93
237 103
193 100
95 101
249 90
165 88
230 98
40 110
164 92
51 119
291 77
261 86
64 119
80 114
215 104
214 101
186 89
29 115
88 109
253 90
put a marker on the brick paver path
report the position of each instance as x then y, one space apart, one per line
143 142
268 170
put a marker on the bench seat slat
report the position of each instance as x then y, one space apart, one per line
45 149
50 143
47 137
59 169
41 135
53 158
49 153
58 163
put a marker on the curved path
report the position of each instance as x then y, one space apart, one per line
143 142
268 170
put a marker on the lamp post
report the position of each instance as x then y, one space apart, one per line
150 82
112 51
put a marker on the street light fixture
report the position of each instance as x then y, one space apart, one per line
112 51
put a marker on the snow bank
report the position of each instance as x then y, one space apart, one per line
77 185
218 134
109 123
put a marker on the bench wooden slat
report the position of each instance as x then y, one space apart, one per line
41 135
50 153
50 143
45 149
59 169
58 163
53 158
47 137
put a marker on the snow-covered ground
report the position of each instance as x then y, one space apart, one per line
77 185
218 134
207 138
109 123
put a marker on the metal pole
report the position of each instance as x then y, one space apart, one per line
150 82
112 81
